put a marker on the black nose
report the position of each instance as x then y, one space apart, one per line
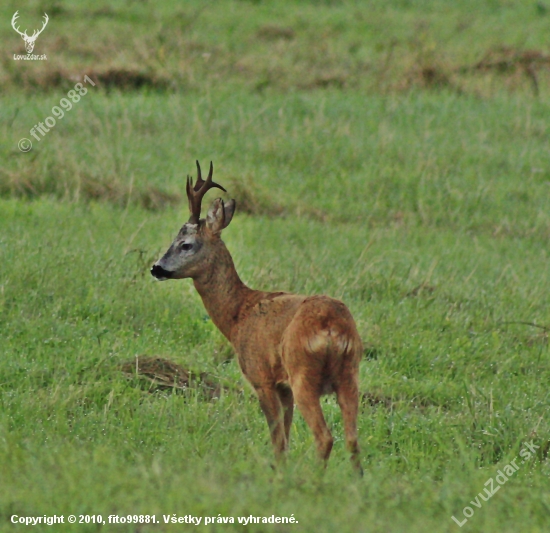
159 272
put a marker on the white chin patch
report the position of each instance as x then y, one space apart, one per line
161 279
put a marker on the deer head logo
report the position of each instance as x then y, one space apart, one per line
29 40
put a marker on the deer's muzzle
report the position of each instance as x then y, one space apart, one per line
160 273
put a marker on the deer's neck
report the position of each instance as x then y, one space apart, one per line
222 291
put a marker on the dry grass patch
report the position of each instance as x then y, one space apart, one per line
32 181
158 374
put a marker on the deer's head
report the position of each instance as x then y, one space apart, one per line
29 40
192 251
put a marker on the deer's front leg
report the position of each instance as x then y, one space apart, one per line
274 414
287 401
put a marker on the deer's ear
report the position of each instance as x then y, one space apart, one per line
228 210
219 215
215 218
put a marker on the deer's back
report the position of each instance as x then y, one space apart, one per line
279 334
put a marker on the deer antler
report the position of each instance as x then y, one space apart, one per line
196 193
14 18
36 33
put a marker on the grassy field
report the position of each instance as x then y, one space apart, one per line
391 154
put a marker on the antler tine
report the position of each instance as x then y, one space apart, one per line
44 24
196 193
210 172
13 21
189 190
200 181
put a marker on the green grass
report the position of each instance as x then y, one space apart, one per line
423 206
259 46
433 160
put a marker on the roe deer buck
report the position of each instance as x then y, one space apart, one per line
290 347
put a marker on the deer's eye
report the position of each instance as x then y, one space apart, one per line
186 246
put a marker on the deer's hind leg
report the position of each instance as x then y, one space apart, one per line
307 399
347 394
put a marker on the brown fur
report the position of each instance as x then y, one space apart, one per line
291 348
